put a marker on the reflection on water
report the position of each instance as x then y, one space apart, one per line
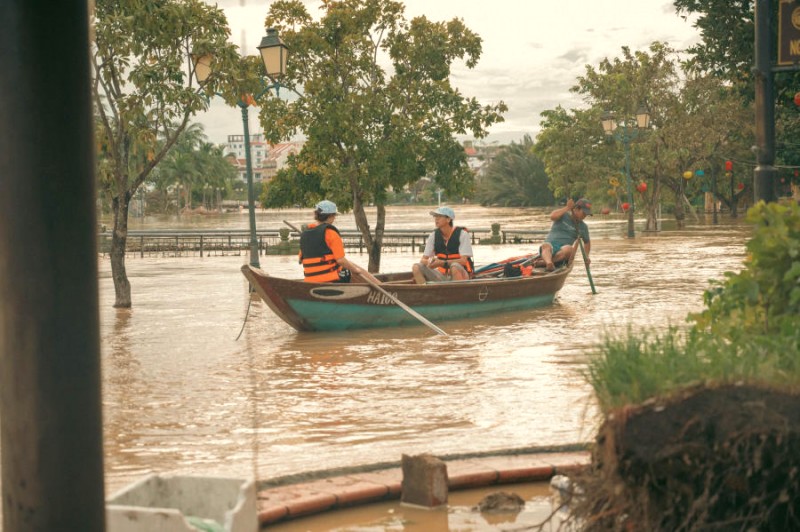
458 514
181 394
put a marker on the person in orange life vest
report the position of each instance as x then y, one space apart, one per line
567 225
448 251
322 250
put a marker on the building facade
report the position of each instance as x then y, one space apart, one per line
266 159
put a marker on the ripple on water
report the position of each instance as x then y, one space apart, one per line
181 394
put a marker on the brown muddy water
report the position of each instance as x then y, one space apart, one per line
182 395
458 515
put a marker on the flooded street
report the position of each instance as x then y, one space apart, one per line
181 394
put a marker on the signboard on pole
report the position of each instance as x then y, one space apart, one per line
789 33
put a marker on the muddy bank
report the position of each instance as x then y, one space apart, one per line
723 458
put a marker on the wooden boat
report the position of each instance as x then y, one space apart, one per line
337 306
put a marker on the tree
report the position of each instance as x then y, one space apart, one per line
515 177
145 94
377 107
696 121
195 165
727 50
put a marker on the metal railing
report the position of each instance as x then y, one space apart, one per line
224 242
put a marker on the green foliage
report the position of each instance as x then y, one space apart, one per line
726 51
515 178
749 331
370 129
764 298
290 187
144 93
635 368
697 123
196 165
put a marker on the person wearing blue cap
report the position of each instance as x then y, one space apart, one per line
322 250
567 225
448 251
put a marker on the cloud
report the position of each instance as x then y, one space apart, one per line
533 50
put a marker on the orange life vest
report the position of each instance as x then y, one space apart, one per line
319 265
448 250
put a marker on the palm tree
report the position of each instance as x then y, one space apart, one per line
515 178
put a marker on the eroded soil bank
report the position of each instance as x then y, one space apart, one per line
721 458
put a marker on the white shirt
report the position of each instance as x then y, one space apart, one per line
464 245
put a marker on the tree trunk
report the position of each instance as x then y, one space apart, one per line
652 205
377 244
119 240
680 214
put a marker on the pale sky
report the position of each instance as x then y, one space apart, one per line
533 50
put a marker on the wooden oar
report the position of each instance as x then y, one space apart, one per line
405 307
588 273
399 303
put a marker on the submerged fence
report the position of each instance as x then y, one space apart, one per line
222 242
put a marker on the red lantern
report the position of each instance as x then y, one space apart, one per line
642 187
729 166
605 210
626 206
797 99
740 186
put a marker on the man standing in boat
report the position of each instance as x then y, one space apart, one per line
448 251
322 250
567 225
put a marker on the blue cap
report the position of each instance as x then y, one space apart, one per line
326 207
444 211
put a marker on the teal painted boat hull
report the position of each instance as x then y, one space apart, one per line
336 307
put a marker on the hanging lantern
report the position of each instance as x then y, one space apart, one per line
699 173
605 210
612 192
729 166
687 175
642 187
614 182
740 186
797 99
626 206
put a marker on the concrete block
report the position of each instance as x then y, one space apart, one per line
424 481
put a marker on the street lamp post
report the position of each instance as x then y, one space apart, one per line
625 131
273 54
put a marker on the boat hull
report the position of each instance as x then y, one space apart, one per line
335 307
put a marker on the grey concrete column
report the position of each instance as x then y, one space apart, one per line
50 414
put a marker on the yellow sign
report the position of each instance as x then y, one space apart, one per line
789 33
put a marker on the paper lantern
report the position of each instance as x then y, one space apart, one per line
626 206
797 99
729 166
740 186
605 210
642 187
687 175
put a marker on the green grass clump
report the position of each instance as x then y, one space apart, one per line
749 331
